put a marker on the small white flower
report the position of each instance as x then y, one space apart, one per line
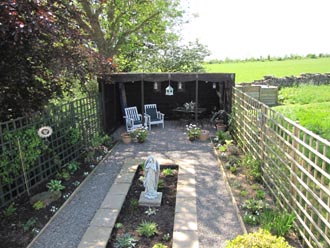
86 173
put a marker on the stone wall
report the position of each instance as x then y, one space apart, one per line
304 78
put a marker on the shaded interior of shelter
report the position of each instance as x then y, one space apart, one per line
211 91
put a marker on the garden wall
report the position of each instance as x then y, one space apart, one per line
26 160
289 81
295 164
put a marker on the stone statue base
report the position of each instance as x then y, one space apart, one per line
150 202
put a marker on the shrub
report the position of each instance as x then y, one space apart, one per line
221 136
261 238
55 185
147 229
10 210
278 223
159 245
125 241
39 205
168 172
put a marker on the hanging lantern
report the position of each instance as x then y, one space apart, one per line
169 90
179 86
214 86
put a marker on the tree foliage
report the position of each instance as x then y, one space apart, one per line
122 29
41 51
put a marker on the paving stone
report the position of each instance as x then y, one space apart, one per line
185 190
185 239
125 177
105 218
185 221
95 237
113 201
185 205
119 188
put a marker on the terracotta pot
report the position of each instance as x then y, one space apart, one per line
204 135
221 127
126 138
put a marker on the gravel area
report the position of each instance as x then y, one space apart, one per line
69 225
217 219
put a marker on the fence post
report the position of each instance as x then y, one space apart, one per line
263 130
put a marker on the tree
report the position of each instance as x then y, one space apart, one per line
120 29
175 58
41 52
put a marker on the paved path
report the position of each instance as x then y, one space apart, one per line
216 216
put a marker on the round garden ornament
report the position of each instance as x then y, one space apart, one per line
45 132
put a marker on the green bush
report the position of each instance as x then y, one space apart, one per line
261 238
125 241
147 229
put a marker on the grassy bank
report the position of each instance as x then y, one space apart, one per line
308 104
254 70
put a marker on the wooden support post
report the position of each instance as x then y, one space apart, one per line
142 99
196 99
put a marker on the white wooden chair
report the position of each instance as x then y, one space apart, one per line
132 118
153 116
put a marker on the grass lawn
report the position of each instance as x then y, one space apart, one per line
308 104
250 71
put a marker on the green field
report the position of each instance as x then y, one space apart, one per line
255 70
308 104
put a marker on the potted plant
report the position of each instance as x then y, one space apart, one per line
204 135
140 134
193 132
126 138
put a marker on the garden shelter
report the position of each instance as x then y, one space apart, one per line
211 91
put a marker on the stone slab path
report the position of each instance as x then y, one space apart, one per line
205 214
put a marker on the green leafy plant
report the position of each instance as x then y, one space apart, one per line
119 225
150 211
224 147
55 185
23 147
254 167
251 219
147 229
253 206
261 238
10 210
73 135
73 166
233 169
161 183
29 224
125 241
243 193
260 194
39 205
159 245
63 175
101 139
133 204
278 223
221 136
168 172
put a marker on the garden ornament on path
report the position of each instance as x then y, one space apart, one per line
152 171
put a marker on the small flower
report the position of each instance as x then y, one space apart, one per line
76 183
66 196
86 173
53 209
92 166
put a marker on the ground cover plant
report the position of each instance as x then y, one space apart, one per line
23 219
308 104
255 70
146 227
256 206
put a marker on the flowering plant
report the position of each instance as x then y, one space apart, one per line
140 134
193 131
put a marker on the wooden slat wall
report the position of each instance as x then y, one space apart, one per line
296 164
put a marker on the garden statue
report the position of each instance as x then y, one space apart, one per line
152 171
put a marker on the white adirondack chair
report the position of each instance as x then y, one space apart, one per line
153 116
132 118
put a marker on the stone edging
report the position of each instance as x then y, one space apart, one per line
70 198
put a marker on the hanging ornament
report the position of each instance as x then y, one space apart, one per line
214 86
169 89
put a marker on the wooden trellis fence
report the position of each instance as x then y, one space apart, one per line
26 160
296 164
